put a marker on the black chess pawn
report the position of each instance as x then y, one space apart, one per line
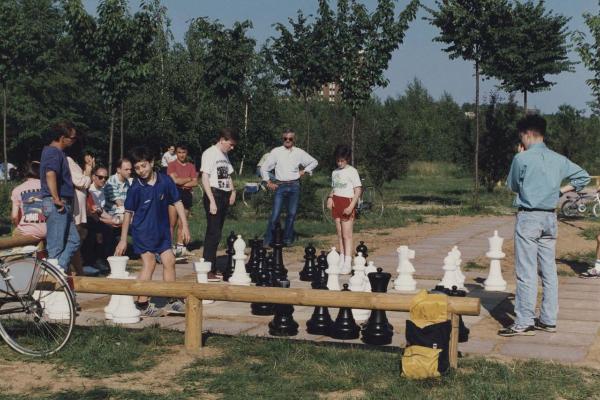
344 327
309 270
362 248
378 330
260 262
283 323
263 280
320 277
230 266
252 244
280 270
320 322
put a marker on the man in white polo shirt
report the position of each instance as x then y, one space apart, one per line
290 164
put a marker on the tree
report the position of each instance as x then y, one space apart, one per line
229 55
117 47
363 45
498 140
590 55
302 57
532 46
469 28
25 37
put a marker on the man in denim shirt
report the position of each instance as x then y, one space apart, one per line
535 176
57 195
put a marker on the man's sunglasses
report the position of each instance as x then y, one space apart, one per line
288 139
101 177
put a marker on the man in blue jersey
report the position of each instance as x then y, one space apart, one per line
147 212
536 175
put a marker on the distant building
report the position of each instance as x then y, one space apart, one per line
330 92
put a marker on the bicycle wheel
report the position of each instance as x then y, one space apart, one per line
37 312
596 209
370 205
569 208
326 211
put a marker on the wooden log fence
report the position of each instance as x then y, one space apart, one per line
194 293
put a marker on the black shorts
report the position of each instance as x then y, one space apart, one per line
187 198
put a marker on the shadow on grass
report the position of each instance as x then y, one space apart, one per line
423 199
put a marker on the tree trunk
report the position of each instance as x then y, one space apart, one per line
226 110
476 193
525 102
245 137
122 129
4 151
111 136
307 117
352 138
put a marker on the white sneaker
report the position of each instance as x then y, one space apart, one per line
347 267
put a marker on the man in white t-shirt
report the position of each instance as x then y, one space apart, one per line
167 158
290 164
219 194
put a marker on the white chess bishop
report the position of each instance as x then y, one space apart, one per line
333 270
495 281
405 281
240 276
358 283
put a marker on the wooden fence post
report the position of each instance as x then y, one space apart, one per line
193 324
454 321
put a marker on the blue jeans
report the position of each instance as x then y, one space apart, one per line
535 247
290 193
62 239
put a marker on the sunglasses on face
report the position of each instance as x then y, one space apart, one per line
288 139
101 177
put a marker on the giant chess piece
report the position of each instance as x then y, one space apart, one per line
333 272
55 303
230 266
369 269
320 322
378 330
283 323
121 309
460 277
362 248
308 272
263 280
320 278
255 245
495 281
240 276
280 270
358 284
405 281
261 264
450 279
202 269
344 327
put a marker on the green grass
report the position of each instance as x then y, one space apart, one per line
248 368
107 350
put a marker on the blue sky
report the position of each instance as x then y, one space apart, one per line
418 57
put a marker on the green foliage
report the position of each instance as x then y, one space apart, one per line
533 44
498 140
590 55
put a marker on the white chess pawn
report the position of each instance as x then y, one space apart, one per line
495 281
121 309
357 284
450 279
333 271
240 276
458 261
202 269
56 304
405 281
333 260
369 268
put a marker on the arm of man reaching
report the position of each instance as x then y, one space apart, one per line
122 246
233 194
208 192
185 229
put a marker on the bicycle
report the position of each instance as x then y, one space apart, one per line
370 204
37 305
580 204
